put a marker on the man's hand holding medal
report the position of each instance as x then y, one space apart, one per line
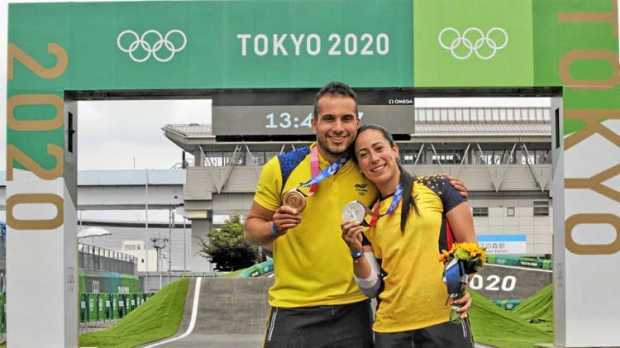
288 215
285 218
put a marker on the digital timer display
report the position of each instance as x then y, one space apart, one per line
290 113
287 120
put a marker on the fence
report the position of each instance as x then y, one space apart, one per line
108 306
97 259
94 307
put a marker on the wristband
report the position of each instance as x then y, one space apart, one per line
356 254
274 230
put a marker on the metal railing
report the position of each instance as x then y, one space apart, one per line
96 259
464 115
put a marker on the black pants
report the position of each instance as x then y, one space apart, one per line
446 335
341 326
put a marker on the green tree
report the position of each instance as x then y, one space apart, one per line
227 247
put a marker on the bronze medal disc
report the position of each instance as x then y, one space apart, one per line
295 200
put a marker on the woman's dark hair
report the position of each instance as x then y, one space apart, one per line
406 180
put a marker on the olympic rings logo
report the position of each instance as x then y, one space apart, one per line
162 48
473 40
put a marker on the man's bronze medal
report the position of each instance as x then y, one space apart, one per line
294 199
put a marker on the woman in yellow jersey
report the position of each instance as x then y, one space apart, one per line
412 310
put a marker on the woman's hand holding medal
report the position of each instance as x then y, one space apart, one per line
352 235
353 216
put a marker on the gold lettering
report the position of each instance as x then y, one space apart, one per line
593 119
35 99
592 249
574 55
15 154
594 183
62 60
34 198
610 18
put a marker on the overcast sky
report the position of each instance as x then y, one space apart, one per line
121 131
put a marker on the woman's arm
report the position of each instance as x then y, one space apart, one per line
371 284
365 267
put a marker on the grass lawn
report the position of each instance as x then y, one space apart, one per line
157 318
497 327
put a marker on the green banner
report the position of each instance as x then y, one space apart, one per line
576 46
462 43
218 44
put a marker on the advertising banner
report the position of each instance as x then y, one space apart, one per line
473 43
512 244
219 44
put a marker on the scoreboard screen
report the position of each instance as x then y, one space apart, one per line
286 112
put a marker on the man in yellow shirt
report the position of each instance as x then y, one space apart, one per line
315 301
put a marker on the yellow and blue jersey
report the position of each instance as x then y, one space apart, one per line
414 295
312 264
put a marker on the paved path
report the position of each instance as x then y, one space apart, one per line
231 313
218 341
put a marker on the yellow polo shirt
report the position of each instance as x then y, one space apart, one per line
312 264
414 295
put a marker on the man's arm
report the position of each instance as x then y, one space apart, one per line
458 185
258 225
462 223
262 225
456 209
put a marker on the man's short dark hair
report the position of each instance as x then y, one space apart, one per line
334 88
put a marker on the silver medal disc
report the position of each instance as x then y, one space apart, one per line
354 211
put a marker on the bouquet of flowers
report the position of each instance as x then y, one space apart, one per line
459 262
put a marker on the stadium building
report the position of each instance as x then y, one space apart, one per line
500 147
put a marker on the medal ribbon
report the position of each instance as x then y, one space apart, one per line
314 167
317 176
396 198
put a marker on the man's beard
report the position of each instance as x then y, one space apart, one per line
324 144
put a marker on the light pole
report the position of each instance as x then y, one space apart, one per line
180 209
146 226
184 246
158 244
171 227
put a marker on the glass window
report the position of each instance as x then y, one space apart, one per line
408 157
510 211
481 211
541 208
543 157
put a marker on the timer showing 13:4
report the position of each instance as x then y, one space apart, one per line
286 120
